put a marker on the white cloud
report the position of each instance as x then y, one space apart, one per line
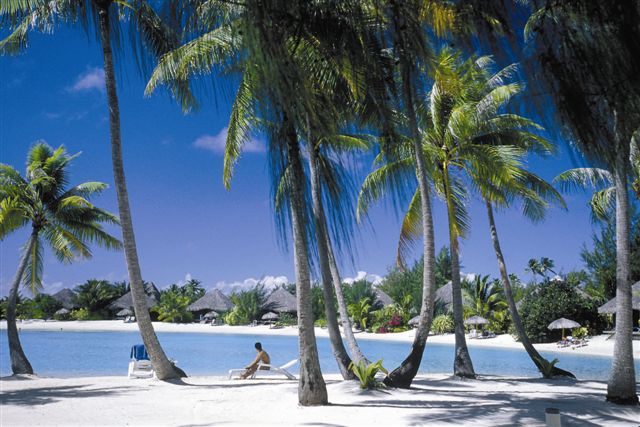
92 79
369 277
269 282
217 142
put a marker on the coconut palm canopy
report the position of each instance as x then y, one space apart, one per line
214 300
66 297
476 320
281 301
563 323
610 306
126 300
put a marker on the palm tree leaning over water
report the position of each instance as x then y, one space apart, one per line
62 217
152 38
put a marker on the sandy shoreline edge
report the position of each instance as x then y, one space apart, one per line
598 346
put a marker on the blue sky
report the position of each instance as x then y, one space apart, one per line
186 223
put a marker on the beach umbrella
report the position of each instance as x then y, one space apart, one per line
211 315
563 324
414 321
270 316
124 312
62 312
475 321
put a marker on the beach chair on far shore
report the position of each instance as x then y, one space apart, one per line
140 365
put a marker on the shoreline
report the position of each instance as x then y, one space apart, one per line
432 400
598 345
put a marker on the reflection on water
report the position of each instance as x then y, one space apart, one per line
70 354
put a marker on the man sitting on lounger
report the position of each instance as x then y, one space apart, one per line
262 357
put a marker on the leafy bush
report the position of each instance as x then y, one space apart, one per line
389 319
359 311
288 319
80 314
367 374
580 332
551 300
321 323
173 307
442 324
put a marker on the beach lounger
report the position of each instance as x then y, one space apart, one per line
266 369
140 365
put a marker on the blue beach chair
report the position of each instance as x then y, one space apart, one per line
140 365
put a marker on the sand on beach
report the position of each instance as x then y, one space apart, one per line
198 401
601 345
203 401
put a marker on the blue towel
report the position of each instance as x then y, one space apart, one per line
139 352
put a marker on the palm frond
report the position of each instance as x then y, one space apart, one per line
580 178
410 232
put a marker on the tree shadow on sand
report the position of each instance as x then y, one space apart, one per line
47 395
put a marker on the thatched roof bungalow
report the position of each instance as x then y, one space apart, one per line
281 301
126 300
66 297
214 300
445 296
610 306
382 299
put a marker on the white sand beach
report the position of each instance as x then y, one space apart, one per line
435 399
598 346
206 401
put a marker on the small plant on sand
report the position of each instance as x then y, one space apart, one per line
367 374
547 367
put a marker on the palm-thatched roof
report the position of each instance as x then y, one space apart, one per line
281 301
214 300
126 300
382 298
610 306
66 297
445 295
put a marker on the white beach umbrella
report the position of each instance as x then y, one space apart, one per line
270 316
211 315
563 324
475 321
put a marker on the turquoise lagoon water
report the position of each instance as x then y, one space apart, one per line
76 354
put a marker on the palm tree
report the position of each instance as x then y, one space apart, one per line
94 295
534 267
483 297
62 217
152 37
582 55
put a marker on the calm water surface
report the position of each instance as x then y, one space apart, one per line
74 354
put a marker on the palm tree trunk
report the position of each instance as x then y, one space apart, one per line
163 368
462 365
311 387
403 375
339 352
19 362
347 330
536 358
621 387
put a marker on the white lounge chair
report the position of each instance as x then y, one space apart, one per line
140 365
272 369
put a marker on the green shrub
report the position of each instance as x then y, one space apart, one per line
580 332
288 319
389 319
552 300
442 324
367 374
80 314
321 323
232 318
